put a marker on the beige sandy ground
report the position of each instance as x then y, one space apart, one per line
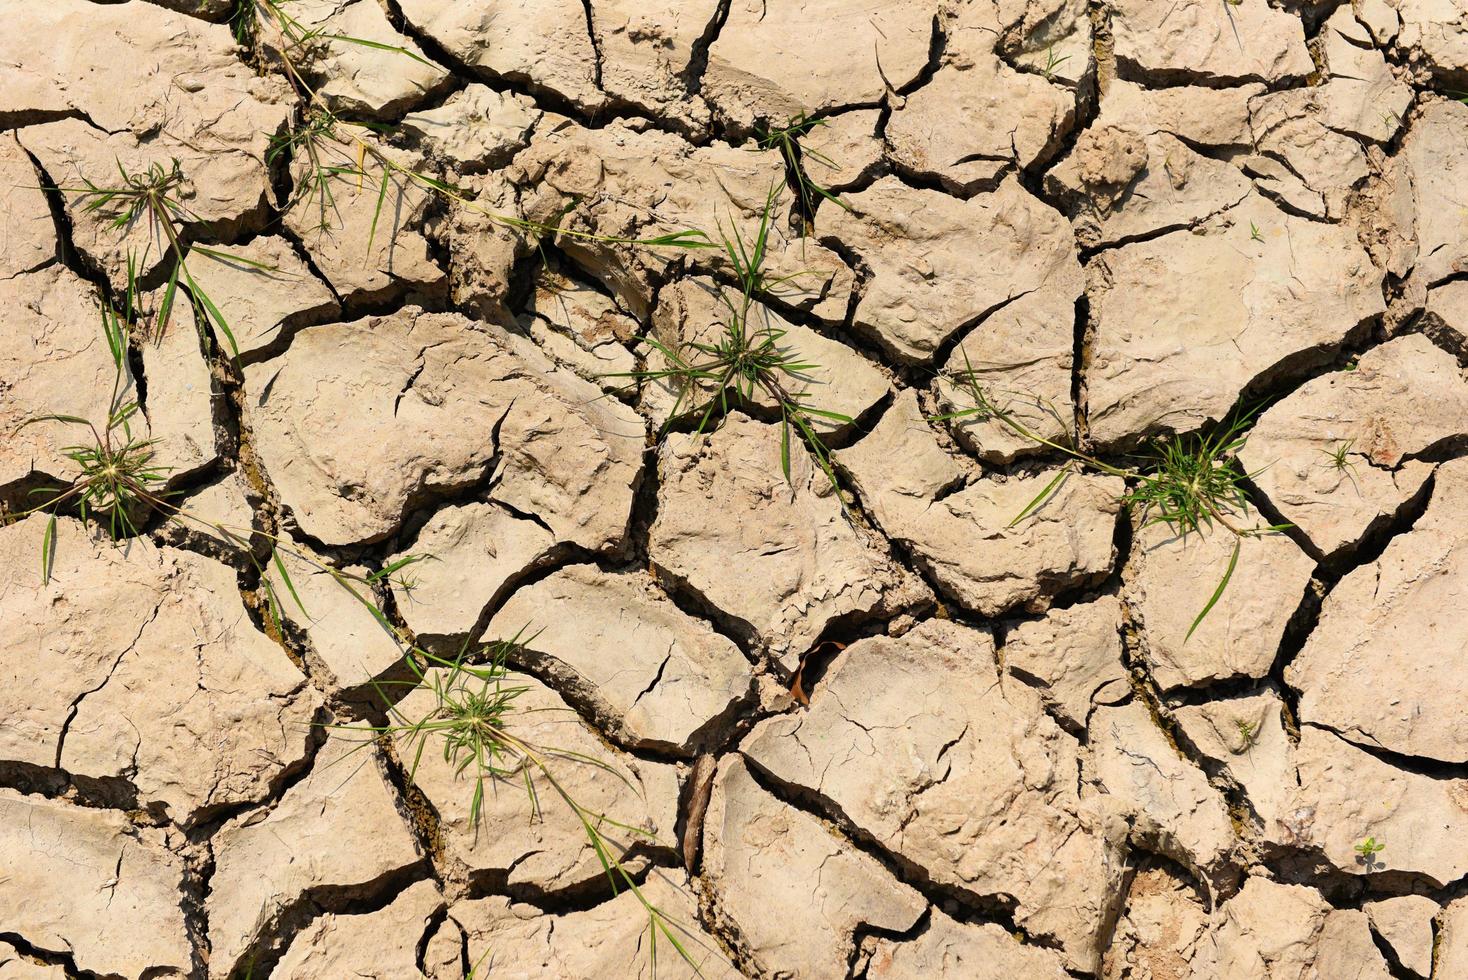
1011 764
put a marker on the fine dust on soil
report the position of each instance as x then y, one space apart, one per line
1004 757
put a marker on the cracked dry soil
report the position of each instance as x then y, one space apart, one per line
1002 758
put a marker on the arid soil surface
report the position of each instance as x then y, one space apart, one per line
880 731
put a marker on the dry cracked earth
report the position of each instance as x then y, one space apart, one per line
1002 758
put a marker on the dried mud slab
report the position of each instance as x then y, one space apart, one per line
1163 930
778 558
1436 31
1446 318
622 183
700 311
378 79
1122 186
583 329
1073 656
1405 923
960 528
223 185
1381 668
605 942
15 965
1452 948
345 646
1168 802
185 413
266 305
382 944
541 43
1198 41
361 221
658 678
551 852
1430 152
476 553
1188 322
336 834
1171 577
170 693
28 239
162 67
978 117
1021 358
1272 929
88 885
753 845
937 266
419 405
924 748
950 948
475 129
646 54
1402 401
761 66
1347 794
1200 116
1245 738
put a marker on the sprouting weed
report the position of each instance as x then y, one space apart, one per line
1248 735
117 470
1338 456
473 725
1367 850
153 195
1052 63
1191 484
1254 235
119 478
787 140
748 360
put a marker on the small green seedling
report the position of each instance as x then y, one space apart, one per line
1338 457
1192 484
1254 233
1366 852
1052 63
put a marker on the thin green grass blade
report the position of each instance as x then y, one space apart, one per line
48 550
214 313
235 259
165 311
1218 592
286 578
377 212
1043 496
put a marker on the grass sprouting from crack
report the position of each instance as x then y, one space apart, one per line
749 360
1192 484
787 139
473 718
473 724
327 139
153 196
119 479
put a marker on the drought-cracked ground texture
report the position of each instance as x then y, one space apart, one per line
877 730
